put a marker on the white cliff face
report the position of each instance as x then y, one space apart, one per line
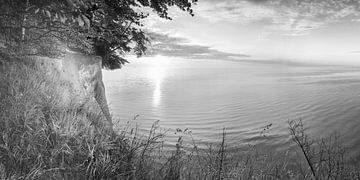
82 84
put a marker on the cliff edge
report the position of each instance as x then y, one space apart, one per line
82 85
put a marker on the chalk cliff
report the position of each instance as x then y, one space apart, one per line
81 77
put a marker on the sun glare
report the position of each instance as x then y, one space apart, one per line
156 73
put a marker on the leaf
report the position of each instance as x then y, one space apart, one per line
80 21
62 18
30 7
37 10
86 20
48 14
70 4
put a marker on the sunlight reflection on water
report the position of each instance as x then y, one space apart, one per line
156 74
157 93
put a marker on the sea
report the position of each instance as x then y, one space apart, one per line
251 101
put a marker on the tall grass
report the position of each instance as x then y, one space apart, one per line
325 158
40 139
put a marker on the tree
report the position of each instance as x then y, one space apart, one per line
108 28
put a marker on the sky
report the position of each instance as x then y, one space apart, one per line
318 31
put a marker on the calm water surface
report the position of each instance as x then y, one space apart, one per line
207 96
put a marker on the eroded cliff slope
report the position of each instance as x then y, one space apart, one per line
82 83
77 78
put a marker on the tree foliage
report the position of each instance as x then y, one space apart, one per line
108 28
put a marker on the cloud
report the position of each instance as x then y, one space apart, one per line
287 17
232 11
165 45
354 52
299 17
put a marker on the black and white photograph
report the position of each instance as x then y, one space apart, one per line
179 89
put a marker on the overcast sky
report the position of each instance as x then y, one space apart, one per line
295 30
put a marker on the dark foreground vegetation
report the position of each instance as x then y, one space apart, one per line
42 140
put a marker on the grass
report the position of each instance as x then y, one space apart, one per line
41 139
325 158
